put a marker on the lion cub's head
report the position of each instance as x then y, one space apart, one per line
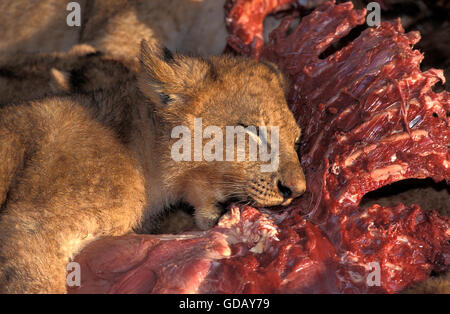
204 107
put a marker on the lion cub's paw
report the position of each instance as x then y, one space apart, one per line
207 217
177 222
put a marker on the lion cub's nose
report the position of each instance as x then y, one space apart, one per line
293 186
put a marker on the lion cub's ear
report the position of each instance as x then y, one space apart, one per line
166 77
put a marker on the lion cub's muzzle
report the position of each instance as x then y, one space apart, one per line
278 189
291 185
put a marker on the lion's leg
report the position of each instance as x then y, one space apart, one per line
37 240
33 255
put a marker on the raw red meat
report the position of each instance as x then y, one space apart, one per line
244 20
369 118
253 251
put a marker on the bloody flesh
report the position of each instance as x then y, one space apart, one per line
369 118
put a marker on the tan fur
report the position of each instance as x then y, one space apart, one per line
433 285
79 167
56 196
36 26
115 27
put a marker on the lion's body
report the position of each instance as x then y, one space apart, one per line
78 167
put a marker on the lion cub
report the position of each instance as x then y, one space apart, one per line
67 177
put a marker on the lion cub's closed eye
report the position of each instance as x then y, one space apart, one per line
99 163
